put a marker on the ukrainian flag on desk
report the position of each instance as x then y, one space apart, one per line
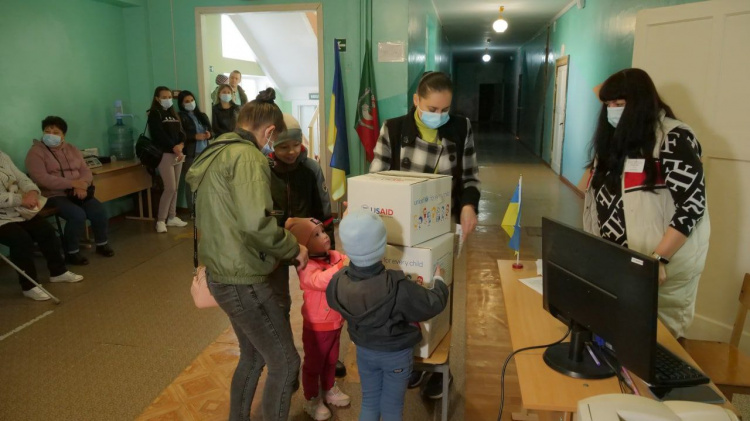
337 142
512 219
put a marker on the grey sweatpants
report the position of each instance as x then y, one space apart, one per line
170 175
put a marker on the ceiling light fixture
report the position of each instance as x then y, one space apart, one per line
500 25
486 57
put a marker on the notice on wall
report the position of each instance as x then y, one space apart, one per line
391 52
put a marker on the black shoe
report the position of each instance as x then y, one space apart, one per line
416 378
76 259
105 250
434 387
340 369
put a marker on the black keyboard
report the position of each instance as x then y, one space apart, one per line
671 371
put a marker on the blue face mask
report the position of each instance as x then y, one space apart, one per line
434 120
614 114
267 149
225 97
51 140
190 106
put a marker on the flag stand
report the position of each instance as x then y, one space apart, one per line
518 264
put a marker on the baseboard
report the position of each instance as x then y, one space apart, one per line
572 186
707 329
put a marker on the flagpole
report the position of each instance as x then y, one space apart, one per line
518 264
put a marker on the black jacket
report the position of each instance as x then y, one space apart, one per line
188 126
165 130
297 192
381 309
224 120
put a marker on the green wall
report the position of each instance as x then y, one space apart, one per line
69 61
390 22
599 39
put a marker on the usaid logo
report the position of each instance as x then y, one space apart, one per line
378 211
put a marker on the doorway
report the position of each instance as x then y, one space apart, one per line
558 112
268 45
486 101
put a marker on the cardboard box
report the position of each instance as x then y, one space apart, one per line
433 331
415 207
420 261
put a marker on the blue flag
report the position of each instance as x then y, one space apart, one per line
512 219
337 142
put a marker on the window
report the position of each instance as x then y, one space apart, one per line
252 85
233 44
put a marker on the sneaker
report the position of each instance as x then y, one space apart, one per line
316 409
340 369
336 397
434 387
105 250
66 277
161 227
76 259
176 222
416 378
36 294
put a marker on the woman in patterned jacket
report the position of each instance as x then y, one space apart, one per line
645 189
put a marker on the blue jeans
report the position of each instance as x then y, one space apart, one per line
265 338
75 215
384 377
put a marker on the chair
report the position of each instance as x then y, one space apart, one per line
724 363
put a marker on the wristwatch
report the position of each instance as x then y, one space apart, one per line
660 258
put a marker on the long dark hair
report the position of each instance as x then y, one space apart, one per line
181 97
156 106
635 134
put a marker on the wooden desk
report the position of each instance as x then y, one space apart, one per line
542 388
121 178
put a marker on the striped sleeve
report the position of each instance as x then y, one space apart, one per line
382 151
470 174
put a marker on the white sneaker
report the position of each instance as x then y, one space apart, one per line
37 294
336 397
66 277
317 409
161 227
176 222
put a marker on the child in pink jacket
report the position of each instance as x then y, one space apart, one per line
321 328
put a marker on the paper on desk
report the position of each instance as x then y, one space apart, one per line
539 267
534 283
459 232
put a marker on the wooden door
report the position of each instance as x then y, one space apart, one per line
558 112
697 55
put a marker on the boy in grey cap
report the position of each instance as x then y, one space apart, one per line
381 308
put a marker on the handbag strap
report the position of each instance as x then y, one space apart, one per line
62 173
195 198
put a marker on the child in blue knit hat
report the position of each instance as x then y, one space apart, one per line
381 308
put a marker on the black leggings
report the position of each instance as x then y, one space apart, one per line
20 238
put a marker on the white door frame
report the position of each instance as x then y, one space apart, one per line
298 7
556 146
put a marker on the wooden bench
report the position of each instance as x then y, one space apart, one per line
439 362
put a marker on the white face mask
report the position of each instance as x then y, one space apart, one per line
190 106
614 114
166 103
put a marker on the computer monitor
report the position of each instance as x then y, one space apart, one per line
598 287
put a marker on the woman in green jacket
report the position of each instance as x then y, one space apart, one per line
241 244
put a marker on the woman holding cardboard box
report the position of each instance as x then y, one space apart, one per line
429 139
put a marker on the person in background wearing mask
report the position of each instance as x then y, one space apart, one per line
241 244
196 126
166 132
224 113
239 96
17 191
431 140
645 189
59 169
